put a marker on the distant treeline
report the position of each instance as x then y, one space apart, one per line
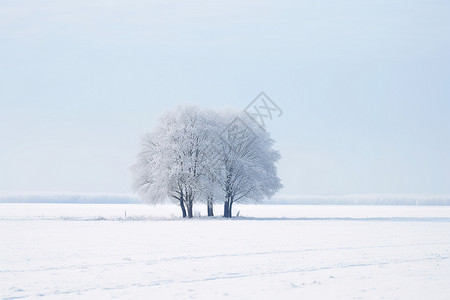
363 199
65 197
103 198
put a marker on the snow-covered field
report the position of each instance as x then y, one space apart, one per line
271 252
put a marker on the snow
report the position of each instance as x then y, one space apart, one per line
64 251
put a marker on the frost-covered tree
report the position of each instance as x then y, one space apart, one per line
205 156
248 163
148 183
171 160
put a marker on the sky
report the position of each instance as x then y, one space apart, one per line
364 87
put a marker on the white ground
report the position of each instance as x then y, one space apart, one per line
275 252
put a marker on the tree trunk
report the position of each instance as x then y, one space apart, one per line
225 209
210 206
189 208
230 209
183 209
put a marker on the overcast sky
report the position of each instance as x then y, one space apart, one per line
364 86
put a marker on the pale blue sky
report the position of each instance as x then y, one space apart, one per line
364 86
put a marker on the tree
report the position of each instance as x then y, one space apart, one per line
249 172
196 155
170 161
